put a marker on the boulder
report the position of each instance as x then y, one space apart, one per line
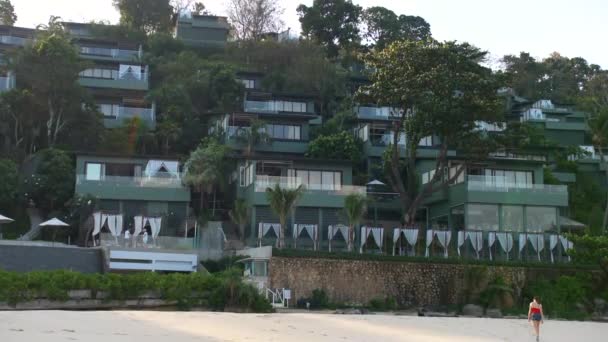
472 310
600 305
494 313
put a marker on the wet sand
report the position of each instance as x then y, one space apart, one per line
153 326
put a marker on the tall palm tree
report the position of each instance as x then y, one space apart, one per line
239 214
355 206
282 202
253 136
206 167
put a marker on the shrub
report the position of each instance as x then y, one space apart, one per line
214 291
383 304
214 266
562 297
319 299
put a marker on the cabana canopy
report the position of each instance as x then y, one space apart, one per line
54 222
4 219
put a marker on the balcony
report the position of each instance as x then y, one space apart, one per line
276 146
6 83
377 113
12 40
109 54
113 79
486 189
115 115
315 195
278 107
144 188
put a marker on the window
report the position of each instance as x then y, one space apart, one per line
482 217
540 219
249 84
428 176
109 110
94 171
288 106
286 132
318 180
245 175
100 73
426 141
508 178
512 218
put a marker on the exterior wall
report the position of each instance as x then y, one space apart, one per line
359 281
37 258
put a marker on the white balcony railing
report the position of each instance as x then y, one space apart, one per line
124 113
170 181
12 40
137 242
107 74
502 184
262 182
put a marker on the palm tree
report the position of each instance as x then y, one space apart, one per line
282 202
355 206
206 168
253 136
239 214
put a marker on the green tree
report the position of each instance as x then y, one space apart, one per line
7 13
19 124
49 70
355 206
239 214
282 202
441 90
169 132
145 15
598 125
206 168
9 183
331 23
341 146
52 183
253 135
383 26
251 19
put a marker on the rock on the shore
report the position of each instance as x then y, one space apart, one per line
494 313
472 310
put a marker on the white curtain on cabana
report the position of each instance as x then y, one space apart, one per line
476 239
460 241
376 232
537 241
491 241
505 240
264 228
429 240
566 244
553 240
155 225
444 237
97 223
333 230
139 225
410 235
311 229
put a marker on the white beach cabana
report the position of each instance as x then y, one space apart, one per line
311 229
332 231
265 228
409 234
113 222
443 236
377 233
4 220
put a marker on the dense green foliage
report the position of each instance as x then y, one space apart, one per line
9 182
338 146
7 13
213 291
145 15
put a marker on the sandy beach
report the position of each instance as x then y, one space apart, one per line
146 326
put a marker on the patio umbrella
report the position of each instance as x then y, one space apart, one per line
3 220
54 222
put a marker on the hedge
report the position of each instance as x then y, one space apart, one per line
213 291
301 253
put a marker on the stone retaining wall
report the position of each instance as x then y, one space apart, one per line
410 284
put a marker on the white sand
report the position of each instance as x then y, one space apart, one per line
146 326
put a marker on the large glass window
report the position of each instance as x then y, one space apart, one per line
482 217
314 181
94 171
539 219
318 180
286 132
512 218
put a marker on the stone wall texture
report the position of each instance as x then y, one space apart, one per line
410 284
38 258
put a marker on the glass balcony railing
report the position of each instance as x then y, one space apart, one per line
276 107
108 52
170 181
126 113
377 112
11 40
106 74
262 182
502 184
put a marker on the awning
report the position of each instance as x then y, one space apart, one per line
566 222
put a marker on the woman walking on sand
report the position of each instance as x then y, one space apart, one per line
536 315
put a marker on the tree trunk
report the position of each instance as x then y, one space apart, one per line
202 204
242 232
283 222
351 235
